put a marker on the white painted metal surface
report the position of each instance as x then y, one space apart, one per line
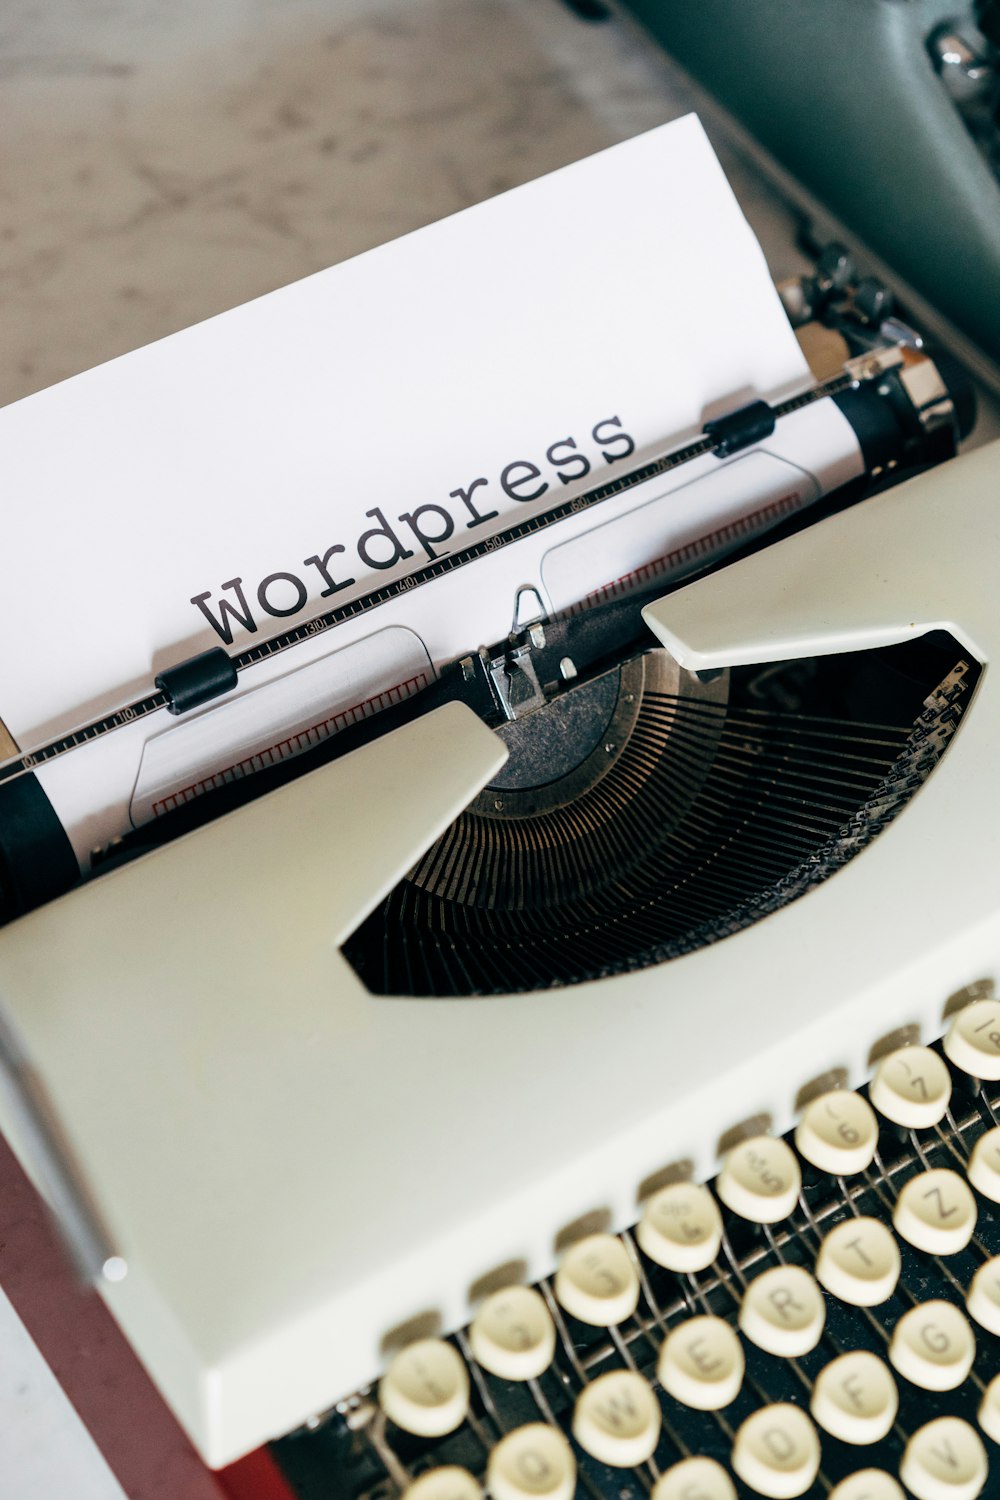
293 1167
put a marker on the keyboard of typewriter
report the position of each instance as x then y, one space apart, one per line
821 1320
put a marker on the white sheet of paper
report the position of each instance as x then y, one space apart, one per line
486 367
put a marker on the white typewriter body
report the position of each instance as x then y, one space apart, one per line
293 1168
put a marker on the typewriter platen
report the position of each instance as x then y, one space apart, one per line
599 828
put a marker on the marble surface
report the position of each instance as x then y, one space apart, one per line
167 159
45 1450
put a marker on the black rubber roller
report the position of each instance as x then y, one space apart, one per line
197 680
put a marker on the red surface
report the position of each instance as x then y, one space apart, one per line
143 1444
256 1477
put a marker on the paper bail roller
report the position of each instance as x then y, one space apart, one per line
197 680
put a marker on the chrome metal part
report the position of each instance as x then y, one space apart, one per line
895 331
966 71
516 683
528 607
927 391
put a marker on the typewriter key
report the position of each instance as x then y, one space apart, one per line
783 1312
983 1297
617 1419
855 1398
868 1484
450 1483
694 1479
681 1227
777 1452
944 1460
973 1040
512 1334
838 1133
859 1262
760 1180
911 1087
701 1363
936 1212
984 1165
425 1390
532 1463
933 1345
597 1282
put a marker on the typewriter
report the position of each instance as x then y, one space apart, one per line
907 151
577 1074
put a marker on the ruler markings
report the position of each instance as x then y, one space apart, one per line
439 567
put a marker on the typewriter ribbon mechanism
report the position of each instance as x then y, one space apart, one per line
646 810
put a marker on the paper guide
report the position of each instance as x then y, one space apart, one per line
239 477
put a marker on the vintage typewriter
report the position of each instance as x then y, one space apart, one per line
907 153
580 1076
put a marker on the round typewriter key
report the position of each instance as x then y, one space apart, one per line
838 1133
694 1479
450 1483
617 1419
868 1484
989 1410
681 1227
973 1040
945 1460
933 1345
760 1180
984 1165
425 1390
936 1212
512 1334
911 1087
597 1282
783 1312
532 1463
855 1398
776 1451
983 1297
701 1363
859 1262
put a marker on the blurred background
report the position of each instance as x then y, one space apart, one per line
164 160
